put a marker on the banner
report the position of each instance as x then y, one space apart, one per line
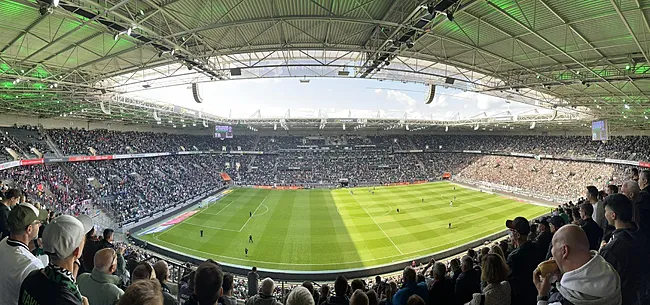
8 165
618 161
644 164
89 158
32 161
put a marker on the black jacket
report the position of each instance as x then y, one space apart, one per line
594 232
543 241
468 283
643 207
4 214
522 262
442 292
627 253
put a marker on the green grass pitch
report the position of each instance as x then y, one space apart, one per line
322 229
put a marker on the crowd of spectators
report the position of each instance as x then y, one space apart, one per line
591 251
22 139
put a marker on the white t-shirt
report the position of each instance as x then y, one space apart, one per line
16 262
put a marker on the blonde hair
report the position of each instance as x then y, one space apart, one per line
495 249
494 269
143 292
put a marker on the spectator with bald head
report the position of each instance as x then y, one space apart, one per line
162 274
585 276
100 286
626 249
411 287
265 296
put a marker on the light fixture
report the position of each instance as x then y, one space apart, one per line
626 106
344 126
128 32
194 124
142 12
55 3
117 36
407 126
446 128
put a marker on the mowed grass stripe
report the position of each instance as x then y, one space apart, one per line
329 230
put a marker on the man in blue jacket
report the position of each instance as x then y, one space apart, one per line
410 287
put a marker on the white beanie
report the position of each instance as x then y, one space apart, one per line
300 296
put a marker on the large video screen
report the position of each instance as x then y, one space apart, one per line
600 130
223 132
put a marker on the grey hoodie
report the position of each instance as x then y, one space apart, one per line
595 283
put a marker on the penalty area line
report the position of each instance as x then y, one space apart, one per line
249 218
382 230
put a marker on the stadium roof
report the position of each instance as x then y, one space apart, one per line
588 59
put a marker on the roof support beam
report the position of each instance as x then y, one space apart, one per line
629 29
24 32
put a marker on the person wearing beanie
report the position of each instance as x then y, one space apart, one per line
63 242
300 296
16 260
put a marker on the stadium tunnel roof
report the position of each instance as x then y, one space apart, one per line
588 59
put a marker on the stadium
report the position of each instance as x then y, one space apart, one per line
416 152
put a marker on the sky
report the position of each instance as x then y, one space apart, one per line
334 97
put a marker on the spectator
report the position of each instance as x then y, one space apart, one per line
494 273
357 284
626 250
415 300
310 287
497 250
455 270
9 200
253 282
441 291
63 241
228 285
143 271
599 210
591 228
554 223
411 287
340 289
107 242
372 297
208 284
23 223
88 256
544 238
100 286
630 188
162 274
522 261
644 202
377 284
324 294
186 287
586 278
265 297
468 282
612 189
144 292
301 296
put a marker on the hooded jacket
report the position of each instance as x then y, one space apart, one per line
595 283
625 252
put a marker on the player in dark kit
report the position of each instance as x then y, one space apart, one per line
201 233
450 225
250 238
397 210
422 199
250 214
246 251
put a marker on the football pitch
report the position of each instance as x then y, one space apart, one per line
323 229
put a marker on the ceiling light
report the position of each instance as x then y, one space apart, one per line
628 67
174 126
446 128
646 117
142 12
194 124
172 53
626 106
128 32
117 36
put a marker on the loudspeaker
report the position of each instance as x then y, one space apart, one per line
431 95
450 80
195 92
235 72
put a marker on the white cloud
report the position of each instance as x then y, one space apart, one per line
400 97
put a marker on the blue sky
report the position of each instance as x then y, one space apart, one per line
335 97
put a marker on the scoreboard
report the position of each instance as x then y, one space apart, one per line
600 130
223 132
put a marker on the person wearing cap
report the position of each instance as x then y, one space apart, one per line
100 286
554 223
522 262
10 199
544 237
63 242
591 228
16 261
